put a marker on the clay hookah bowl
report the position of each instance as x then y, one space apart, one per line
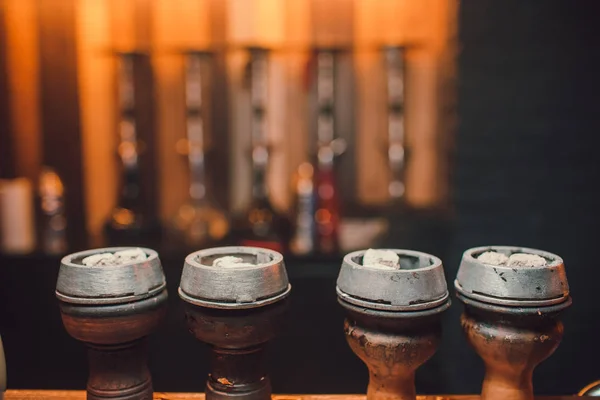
236 311
393 318
112 309
511 317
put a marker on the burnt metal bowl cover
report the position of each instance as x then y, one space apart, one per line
109 284
509 285
419 284
261 279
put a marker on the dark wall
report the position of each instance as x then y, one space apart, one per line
526 162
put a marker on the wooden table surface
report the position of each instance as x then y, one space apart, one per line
80 395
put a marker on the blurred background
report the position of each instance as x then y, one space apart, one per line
313 127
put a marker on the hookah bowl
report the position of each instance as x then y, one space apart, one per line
112 309
393 318
236 310
511 316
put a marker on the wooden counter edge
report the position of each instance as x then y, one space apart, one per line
80 395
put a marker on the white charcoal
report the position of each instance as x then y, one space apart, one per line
230 262
385 259
493 258
119 258
129 256
100 259
526 260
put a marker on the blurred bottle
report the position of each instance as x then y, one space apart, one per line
17 216
303 241
327 212
406 224
53 220
261 225
200 221
128 224
396 143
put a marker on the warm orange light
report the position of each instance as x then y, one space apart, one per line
123 217
259 216
305 170
182 23
256 22
323 216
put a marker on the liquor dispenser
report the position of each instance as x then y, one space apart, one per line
235 302
261 225
52 205
199 220
512 299
396 146
111 299
132 221
393 300
304 239
328 148
316 191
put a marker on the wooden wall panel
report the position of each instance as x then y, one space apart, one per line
256 22
146 119
390 17
297 24
371 123
278 114
124 19
62 149
219 158
332 22
173 173
7 158
182 24
22 71
421 124
239 120
98 113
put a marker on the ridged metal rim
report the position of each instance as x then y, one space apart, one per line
109 300
508 302
523 310
387 307
392 314
236 306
